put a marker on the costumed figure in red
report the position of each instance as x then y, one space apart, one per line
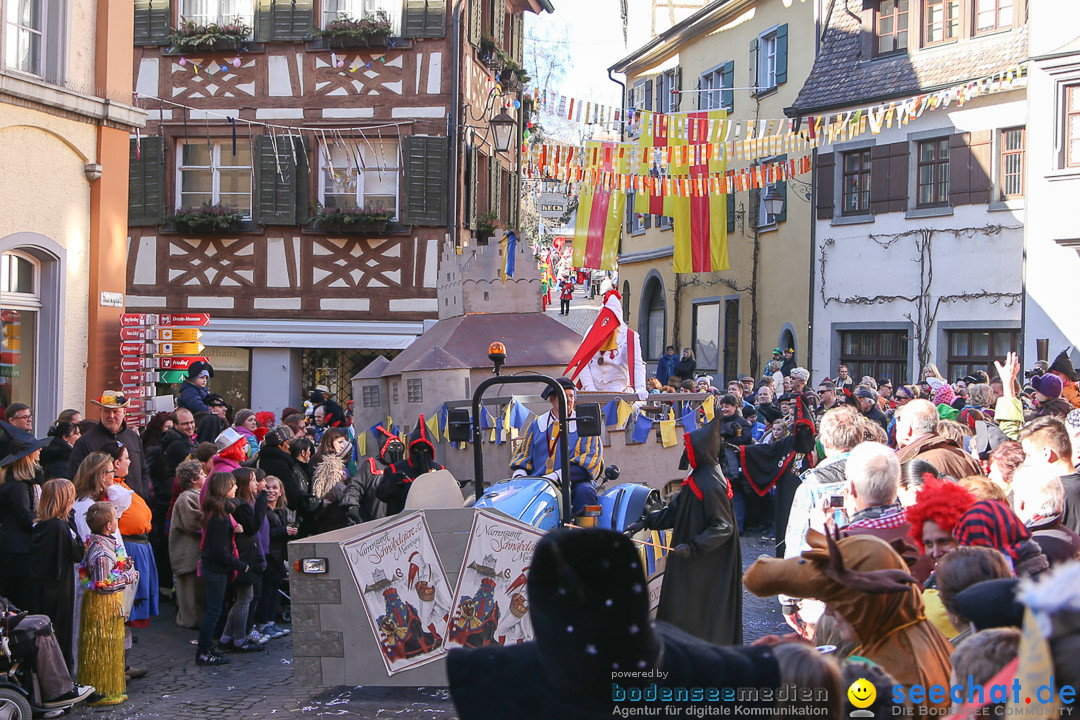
609 359
393 486
361 502
477 617
403 635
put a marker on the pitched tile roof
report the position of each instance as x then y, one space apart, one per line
840 78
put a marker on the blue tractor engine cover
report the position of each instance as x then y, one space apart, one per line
532 500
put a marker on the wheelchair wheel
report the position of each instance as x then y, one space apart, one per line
286 616
13 705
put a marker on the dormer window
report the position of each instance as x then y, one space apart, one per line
891 27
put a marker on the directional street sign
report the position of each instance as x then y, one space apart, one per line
179 363
131 363
135 348
137 378
180 348
177 334
174 319
171 376
132 333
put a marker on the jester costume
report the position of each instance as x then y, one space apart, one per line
393 486
105 570
477 618
403 635
361 502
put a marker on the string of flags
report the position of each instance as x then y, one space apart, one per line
512 420
591 112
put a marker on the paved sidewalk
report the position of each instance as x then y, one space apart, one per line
583 311
260 685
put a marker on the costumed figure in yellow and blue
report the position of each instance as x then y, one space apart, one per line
539 453
403 635
477 617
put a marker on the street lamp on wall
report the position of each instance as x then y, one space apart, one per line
773 200
502 126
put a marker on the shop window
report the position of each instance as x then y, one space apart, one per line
336 367
21 300
232 374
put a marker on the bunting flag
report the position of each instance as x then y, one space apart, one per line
668 436
623 413
600 210
643 426
361 443
509 250
611 413
652 197
433 426
701 216
486 421
660 541
689 420
709 408
519 416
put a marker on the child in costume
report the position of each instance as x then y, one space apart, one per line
105 571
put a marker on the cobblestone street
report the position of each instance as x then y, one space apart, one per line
260 685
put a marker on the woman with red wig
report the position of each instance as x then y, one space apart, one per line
938 507
232 450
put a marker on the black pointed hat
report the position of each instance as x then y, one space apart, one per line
1063 364
21 444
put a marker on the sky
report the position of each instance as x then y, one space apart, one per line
588 37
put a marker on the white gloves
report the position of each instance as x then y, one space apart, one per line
519 473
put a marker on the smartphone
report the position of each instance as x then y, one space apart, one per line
836 501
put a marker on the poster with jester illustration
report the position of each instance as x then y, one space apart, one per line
405 591
490 605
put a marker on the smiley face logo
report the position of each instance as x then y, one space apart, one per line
862 693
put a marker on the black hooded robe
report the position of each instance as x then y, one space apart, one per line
702 594
393 486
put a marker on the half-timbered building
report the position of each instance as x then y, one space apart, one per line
290 123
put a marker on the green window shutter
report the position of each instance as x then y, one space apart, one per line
146 182
283 19
494 186
753 216
517 24
425 180
476 16
303 180
424 19
629 222
648 94
515 198
731 212
152 22
472 186
274 201
727 97
753 65
498 23
781 54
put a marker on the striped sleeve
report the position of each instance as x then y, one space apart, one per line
522 459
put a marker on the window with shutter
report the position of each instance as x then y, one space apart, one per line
425 180
888 178
515 198
283 19
152 22
753 67
731 212
424 19
476 19
214 173
495 185
648 94
825 186
518 26
146 182
676 88
274 202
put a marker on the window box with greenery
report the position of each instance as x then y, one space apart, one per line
491 54
352 220
513 77
347 32
192 37
206 220
486 225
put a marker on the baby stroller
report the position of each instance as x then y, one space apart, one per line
20 692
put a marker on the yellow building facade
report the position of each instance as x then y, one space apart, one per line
66 116
750 58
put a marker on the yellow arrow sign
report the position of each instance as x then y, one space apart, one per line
184 348
179 334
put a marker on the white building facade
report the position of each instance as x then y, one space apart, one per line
1052 238
918 230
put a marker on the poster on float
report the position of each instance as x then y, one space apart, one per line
490 604
404 589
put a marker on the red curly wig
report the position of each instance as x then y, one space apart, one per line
940 501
